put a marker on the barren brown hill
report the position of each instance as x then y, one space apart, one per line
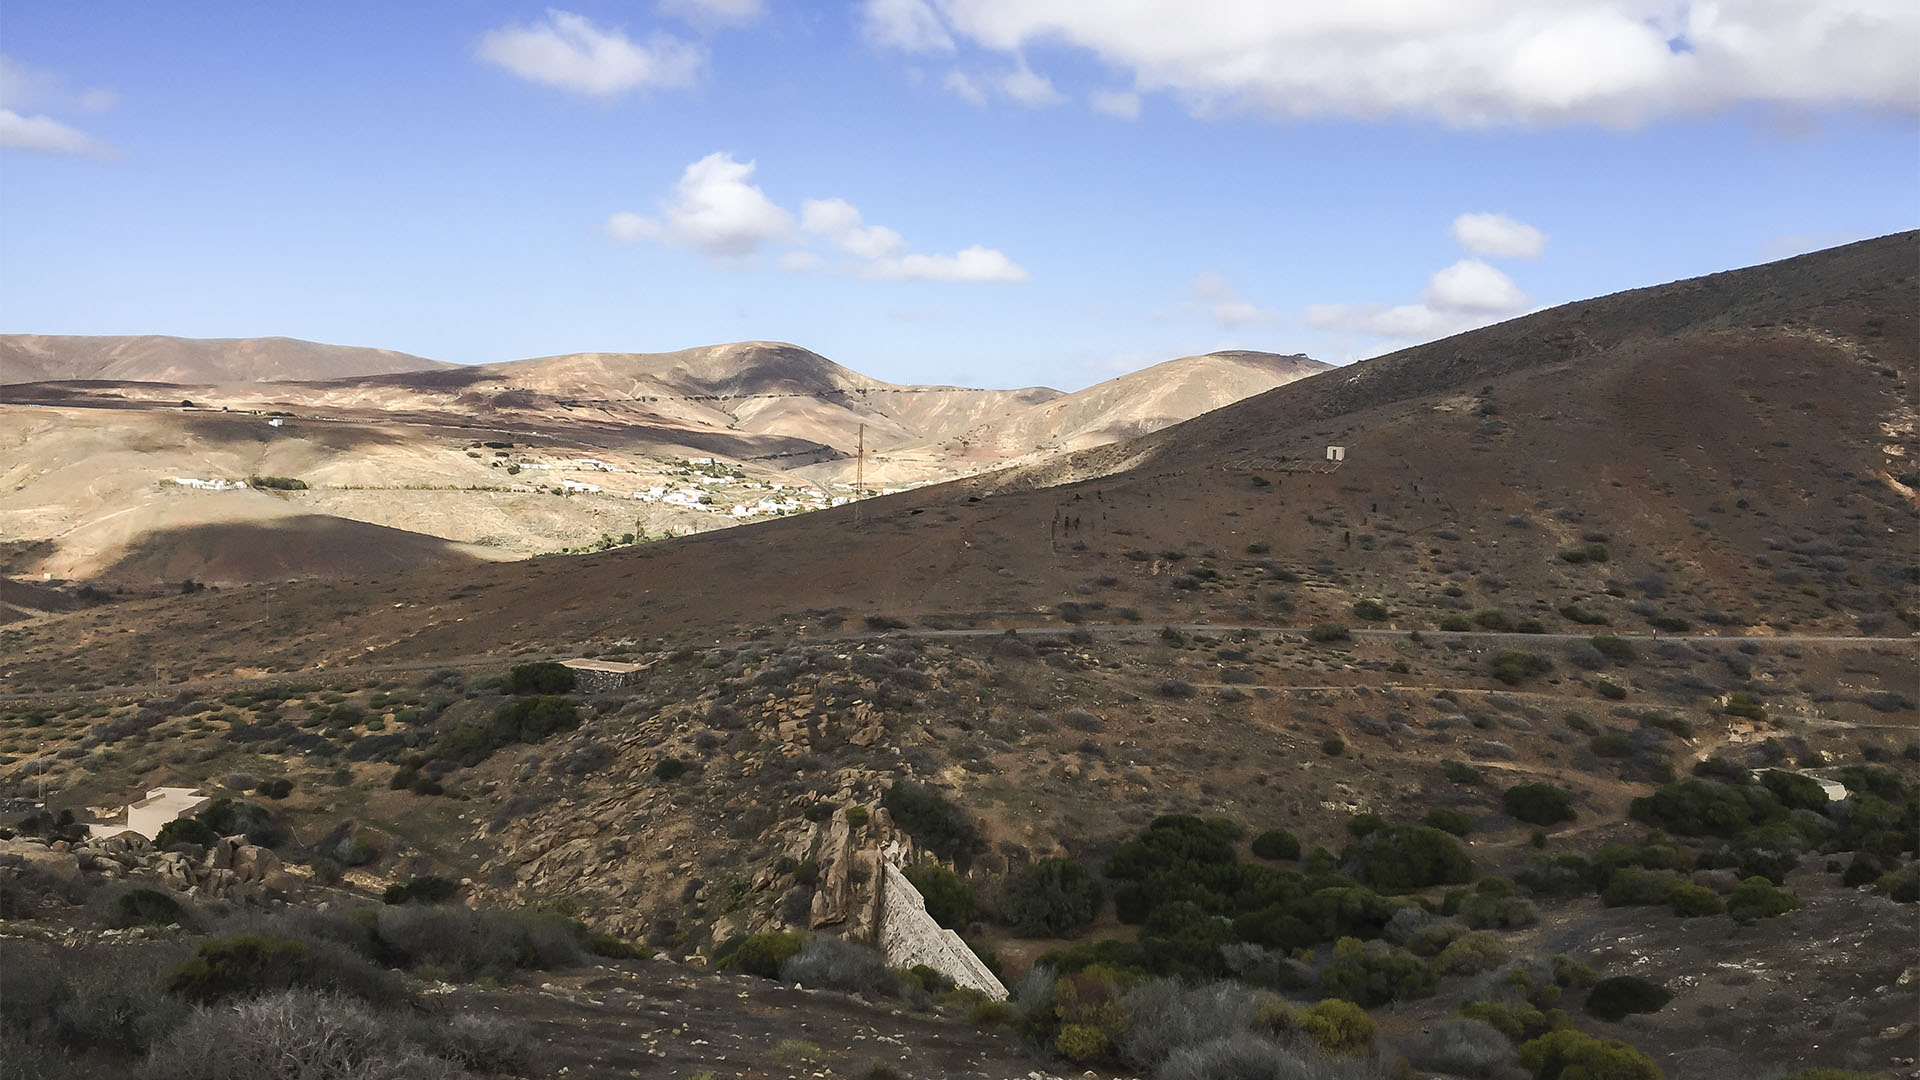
31 358
475 455
1131 405
1722 487
1733 451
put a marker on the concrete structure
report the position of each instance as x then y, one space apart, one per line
159 807
600 676
909 936
1336 453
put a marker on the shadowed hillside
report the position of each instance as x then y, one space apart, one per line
1739 446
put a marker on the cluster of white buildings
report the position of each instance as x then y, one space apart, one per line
207 485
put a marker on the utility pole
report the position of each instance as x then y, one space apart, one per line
859 472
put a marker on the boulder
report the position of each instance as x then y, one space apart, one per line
252 863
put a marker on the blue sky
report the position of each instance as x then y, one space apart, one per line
985 192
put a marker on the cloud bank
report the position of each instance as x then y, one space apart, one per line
1489 62
716 210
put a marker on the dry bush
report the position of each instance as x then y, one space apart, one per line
293 1035
830 963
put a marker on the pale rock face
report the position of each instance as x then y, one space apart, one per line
909 936
862 893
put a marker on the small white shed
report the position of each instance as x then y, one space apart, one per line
1336 453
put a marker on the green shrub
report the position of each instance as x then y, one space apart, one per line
1081 1042
1697 807
1614 648
144 907
1794 791
669 769
1632 886
993 1014
1493 619
858 815
241 967
1276 844
949 900
1054 897
1538 803
526 720
938 825
1403 858
1622 995
760 954
1456 624
1690 901
1329 632
185 830
1576 613
1333 746
1511 666
277 483
1612 691
1373 974
1571 1054
1742 704
1449 819
543 677
1460 772
1372 610
1338 1028
1612 744
1365 822
1671 623
1471 953
1757 898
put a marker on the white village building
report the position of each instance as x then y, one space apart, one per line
159 807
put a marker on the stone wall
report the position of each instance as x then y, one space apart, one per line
909 936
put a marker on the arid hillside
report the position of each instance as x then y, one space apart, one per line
28 358
1584 680
533 457
1116 410
1734 451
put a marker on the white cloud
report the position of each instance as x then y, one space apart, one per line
1020 83
712 210
1408 322
840 223
1471 286
961 85
45 135
714 12
975 263
1461 297
571 52
25 88
1034 91
907 25
1480 63
1124 104
1212 295
1498 234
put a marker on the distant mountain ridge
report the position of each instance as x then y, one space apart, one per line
26 358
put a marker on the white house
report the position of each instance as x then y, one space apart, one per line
159 807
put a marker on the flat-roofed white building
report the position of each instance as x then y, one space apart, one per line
159 807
